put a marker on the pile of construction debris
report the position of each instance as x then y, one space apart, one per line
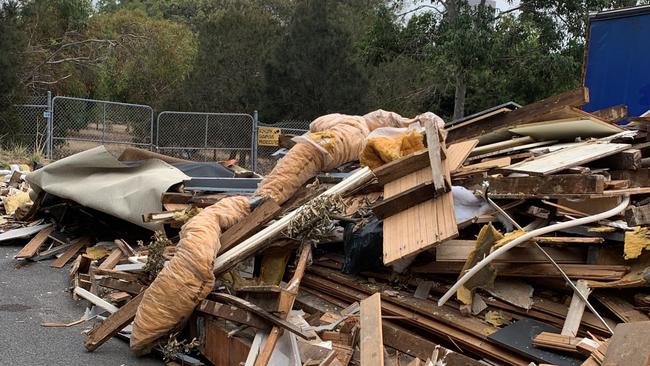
516 235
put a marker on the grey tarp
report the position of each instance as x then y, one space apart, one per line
96 179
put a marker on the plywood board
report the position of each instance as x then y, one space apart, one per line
372 346
567 129
567 158
425 225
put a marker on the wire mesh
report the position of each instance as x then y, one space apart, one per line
206 136
25 126
79 124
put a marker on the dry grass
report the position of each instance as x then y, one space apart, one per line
19 154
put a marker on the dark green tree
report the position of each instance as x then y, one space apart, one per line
314 70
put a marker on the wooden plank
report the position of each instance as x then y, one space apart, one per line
116 284
434 146
612 114
402 166
557 342
252 223
116 274
71 252
629 345
485 165
96 300
533 270
112 260
637 215
567 158
372 345
626 159
30 249
543 186
233 313
459 250
621 308
404 200
125 248
113 324
576 309
501 145
396 169
528 113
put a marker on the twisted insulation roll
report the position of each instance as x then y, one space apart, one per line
187 278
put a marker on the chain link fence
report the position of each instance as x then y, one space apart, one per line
265 151
207 136
64 126
79 124
24 125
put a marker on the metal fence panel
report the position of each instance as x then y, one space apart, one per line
207 136
24 125
79 124
265 159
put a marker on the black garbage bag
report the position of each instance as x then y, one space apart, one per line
363 248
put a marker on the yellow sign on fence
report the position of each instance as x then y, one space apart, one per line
268 136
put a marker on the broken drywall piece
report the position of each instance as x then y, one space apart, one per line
512 291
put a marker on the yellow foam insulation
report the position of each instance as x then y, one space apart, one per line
97 252
635 242
13 202
486 239
383 149
507 238
602 229
497 318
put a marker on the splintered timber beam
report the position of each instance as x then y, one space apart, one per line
264 213
113 324
258 241
529 113
558 185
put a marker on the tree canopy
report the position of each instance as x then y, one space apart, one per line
294 59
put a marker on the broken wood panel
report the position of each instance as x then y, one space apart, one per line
405 165
567 158
220 348
113 324
484 165
459 152
427 224
557 342
70 252
252 223
528 113
372 346
233 313
30 249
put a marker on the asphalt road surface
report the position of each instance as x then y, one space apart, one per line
34 293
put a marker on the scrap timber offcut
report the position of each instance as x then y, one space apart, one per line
517 235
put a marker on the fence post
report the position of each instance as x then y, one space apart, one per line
254 142
49 128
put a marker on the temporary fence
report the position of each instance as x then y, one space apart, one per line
202 136
62 126
79 124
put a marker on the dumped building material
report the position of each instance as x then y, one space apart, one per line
518 235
